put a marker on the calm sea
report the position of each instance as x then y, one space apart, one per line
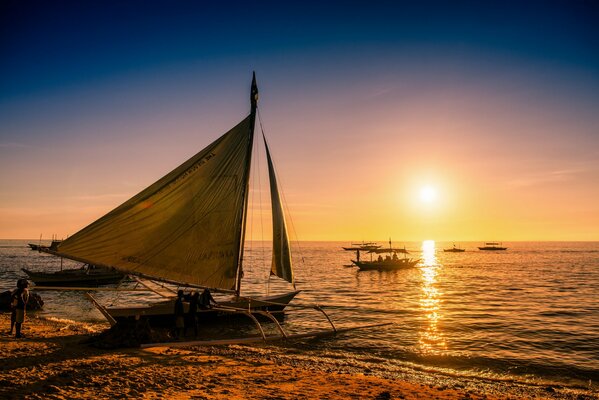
529 314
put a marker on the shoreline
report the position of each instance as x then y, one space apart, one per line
52 362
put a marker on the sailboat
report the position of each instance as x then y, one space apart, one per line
188 229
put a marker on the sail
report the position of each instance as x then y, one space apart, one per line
281 253
187 227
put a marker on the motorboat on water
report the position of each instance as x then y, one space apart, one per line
390 262
454 249
362 246
492 246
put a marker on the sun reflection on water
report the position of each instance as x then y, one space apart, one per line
432 340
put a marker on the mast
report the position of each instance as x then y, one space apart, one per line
246 180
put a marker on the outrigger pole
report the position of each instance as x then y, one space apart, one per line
255 339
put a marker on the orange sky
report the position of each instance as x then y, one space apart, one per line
518 165
499 115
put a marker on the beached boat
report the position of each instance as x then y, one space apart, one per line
188 229
87 275
390 262
454 249
492 246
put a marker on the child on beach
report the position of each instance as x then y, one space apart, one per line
20 299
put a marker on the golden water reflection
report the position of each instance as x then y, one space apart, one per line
432 340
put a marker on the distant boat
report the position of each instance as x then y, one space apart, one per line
454 249
53 245
358 247
390 262
362 246
88 275
492 246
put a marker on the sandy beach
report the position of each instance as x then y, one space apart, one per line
52 362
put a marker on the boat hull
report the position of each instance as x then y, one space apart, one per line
454 250
76 277
386 265
162 313
492 248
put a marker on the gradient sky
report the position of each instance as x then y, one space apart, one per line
494 104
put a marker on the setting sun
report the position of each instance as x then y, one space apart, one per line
428 194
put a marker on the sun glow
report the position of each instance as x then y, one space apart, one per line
428 194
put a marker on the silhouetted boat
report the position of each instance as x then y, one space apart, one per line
362 246
454 249
188 229
491 246
88 275
38 247
390 262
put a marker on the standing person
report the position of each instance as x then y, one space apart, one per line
192 313
179 315
22 296
13 309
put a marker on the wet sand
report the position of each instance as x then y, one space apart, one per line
51 362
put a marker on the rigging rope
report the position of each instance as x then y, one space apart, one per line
285 203
261 210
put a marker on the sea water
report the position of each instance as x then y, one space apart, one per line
528 314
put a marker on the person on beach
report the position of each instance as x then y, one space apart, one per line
179 315
192 317
22 296
206 300
13 309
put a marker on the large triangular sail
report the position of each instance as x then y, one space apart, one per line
281 252
187 227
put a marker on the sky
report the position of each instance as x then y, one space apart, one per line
489 108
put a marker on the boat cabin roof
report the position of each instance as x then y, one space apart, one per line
393 250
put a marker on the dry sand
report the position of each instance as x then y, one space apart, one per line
51 362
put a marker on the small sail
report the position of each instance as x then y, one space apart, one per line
281 253
186 227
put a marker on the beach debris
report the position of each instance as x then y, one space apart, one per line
35 301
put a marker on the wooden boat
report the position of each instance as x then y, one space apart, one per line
39 247
188 229
390 262
87 275
387 264
362 246
358 247
454 249
492 246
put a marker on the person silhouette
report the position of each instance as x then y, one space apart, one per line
179 315
21 297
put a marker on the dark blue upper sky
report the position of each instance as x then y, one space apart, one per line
47 45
